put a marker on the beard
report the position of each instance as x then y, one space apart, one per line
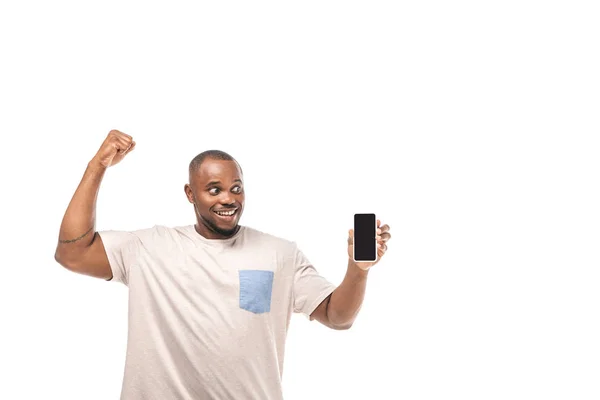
212 226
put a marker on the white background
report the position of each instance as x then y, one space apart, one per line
470 127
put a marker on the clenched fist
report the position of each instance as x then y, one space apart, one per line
114 148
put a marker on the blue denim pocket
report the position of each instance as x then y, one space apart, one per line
255 290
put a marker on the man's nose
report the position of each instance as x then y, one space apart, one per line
227 198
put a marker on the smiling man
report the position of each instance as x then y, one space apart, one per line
210 303
217 192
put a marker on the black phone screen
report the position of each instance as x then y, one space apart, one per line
365 243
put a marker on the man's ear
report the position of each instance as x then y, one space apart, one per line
189 193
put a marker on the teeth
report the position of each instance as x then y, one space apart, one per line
225 213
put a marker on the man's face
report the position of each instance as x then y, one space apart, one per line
218 194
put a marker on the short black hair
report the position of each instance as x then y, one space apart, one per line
212 154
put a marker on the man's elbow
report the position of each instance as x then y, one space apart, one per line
339 323
341 327
66 262
58 258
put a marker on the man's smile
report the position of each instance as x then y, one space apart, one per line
227 215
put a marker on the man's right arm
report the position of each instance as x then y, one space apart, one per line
80 248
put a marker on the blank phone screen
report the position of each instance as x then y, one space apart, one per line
365 244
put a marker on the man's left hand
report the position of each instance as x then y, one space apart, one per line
383 235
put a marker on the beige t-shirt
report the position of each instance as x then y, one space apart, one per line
208 319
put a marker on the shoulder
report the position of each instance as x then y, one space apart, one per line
171 236
285 250
265 239
146 235
156 232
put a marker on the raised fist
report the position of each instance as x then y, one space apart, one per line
114 148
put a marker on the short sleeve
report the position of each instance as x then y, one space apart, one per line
310 287
122 249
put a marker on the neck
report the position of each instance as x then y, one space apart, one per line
210 233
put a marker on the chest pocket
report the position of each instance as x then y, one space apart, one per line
256 288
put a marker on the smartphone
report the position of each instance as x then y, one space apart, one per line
365 237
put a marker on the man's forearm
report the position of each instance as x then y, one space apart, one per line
76 230
346 300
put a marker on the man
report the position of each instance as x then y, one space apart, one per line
209 303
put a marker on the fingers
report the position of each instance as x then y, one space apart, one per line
381 244
384 236
381 249
384 228
132 147
127 145
383 233
121 141
121 145
120 134
129 149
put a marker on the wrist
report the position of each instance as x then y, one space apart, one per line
355 267
96 165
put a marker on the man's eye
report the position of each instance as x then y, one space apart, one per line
213 191
237 189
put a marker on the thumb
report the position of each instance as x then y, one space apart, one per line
351 236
